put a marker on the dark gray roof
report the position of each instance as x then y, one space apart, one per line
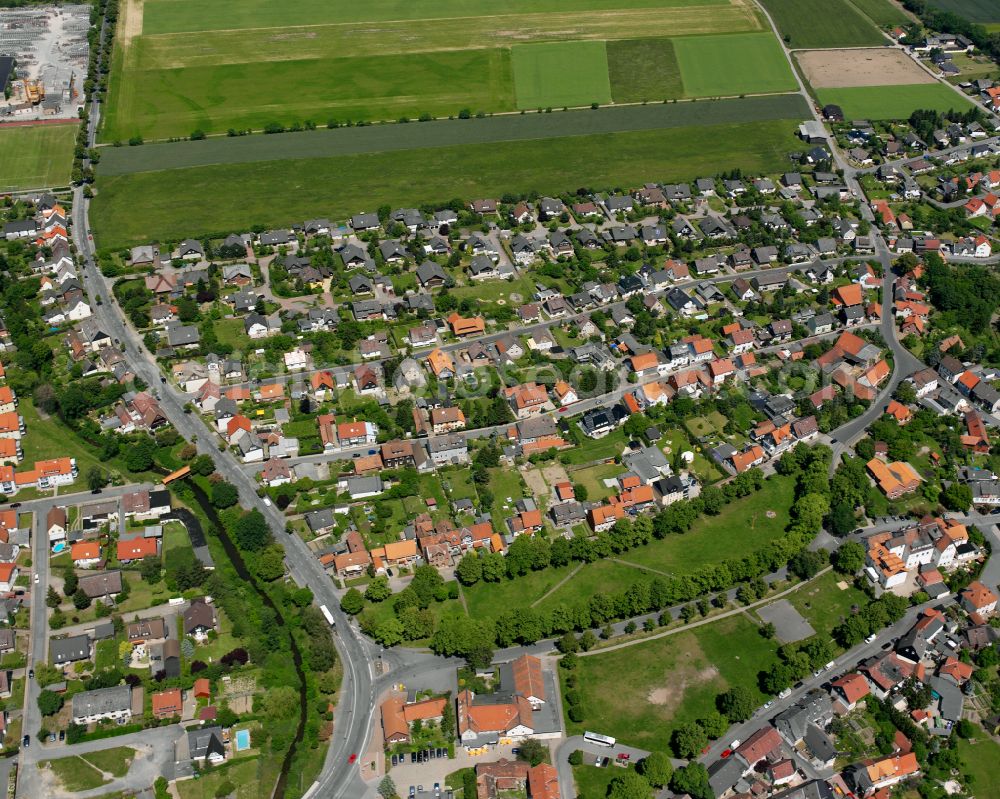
68 650
102 701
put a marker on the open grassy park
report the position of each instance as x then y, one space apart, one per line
87 772
892 102
180 67
36 156
671 680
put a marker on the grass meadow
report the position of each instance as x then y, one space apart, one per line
181 66
202 200
892 102
737 64
36 156
973 10
550 74
882 12
643 69
808 24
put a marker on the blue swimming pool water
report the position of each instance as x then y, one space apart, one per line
58 547
242 740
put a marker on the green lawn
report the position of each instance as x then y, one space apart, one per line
744 63
592 478
492 599
560 73
601 577
824 605
36 156
822 23
592 782
49 438
980 761
244 774
893 102
742 527
643 69
231 332
594 449
275 193
115 761
670 680
75 773
883 13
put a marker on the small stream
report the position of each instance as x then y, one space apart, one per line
237 560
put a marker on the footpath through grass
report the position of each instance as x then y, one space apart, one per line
220 199
36 156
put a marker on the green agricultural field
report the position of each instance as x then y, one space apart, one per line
231 197
560 74
745 63
882 12
643 69
36 156
972 10
892 102
181 66
671 680
807 24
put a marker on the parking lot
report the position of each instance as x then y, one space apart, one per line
434 771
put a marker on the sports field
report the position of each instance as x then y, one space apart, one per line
972 10
738 64
561 74
892 102
231 197
181 66
807 24
36 156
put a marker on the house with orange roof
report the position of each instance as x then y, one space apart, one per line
395 554
720 370
8 400
441 364
8 576
527 399
888 567
876 375
356 434
645 364
525 522
136 549
894 479
742 461
976 438
604 517
237 426
848 690
11 425
461 326
955 670
847 296
272 392
966 382
322 384
564 491
444 420
167 704
543 782
351 564
10 451
876 775
651 394
479 723
564 393
85 554
238 394
899 412
978 601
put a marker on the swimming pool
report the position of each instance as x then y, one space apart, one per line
58 547
242 740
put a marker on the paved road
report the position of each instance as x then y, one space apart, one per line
567 787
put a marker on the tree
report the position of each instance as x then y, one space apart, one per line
95 478
630 785
139 455
251 530
49 702
576 758
692 779
203 465
352 602
737 704
470 569
378 589
271 564
224 495
714 725
52 598
688 740
532 751
957 496
387 788
806 563
149 569
656 768
849 558
80 599
841 520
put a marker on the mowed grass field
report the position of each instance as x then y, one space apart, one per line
670 680
973 10
882 12
36 156
236 196
560 74
737 64
808 24
892 102
643 69
180 67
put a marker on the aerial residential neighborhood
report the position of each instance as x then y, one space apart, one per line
571 402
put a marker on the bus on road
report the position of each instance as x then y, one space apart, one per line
600 740
329 617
